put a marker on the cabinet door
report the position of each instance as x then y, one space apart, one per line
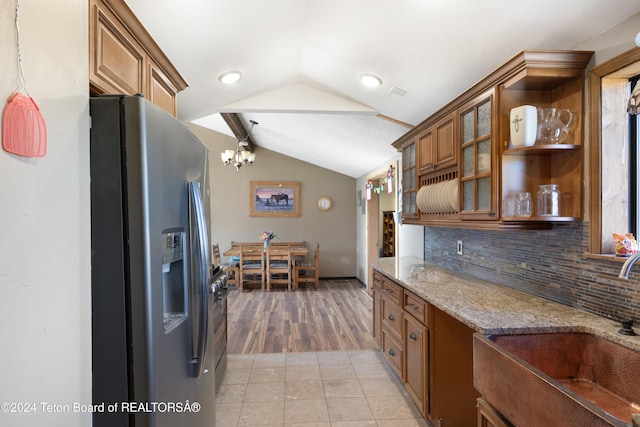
393 351
426 159
444 147
409 181
478 171
436 146
451 371
161 91
416 362
117 62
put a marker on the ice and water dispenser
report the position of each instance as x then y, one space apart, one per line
174 283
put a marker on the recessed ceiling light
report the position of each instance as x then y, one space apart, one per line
230 77
370 80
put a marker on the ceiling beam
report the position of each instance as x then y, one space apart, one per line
238 129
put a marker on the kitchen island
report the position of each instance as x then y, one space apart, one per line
424 320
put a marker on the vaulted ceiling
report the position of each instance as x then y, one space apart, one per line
301 60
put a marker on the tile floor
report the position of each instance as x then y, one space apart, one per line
314 389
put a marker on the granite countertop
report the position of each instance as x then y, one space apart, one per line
493 309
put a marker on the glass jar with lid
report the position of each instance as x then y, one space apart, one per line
548 200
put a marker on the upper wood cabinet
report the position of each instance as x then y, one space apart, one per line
478 190
545 85
409 181
124 58
468 141
436 145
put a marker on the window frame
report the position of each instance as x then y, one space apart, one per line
625 65
634 164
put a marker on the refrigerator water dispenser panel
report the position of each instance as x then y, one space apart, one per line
174 283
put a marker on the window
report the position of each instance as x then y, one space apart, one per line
634 164
610 160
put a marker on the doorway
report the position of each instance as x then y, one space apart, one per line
381 201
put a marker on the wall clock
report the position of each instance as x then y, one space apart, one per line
324 203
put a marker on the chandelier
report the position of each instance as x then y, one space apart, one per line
241 156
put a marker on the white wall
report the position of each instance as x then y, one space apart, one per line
45 295
411 240
361 231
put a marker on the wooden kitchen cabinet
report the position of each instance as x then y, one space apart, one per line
392 312
436 145
452 395
161 90
490 171
391 325
478 189
124 58
416 338
525 168
429 350
409 181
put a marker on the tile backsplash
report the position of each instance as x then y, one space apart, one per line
546 263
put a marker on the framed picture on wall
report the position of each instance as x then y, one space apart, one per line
274 198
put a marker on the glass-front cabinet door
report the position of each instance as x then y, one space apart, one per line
477 177
409 181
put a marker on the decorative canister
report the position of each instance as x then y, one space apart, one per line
548 200
523 125
523 204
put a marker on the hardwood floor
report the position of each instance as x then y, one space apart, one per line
335 317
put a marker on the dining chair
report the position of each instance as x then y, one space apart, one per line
215 254
278 266
231 268
307 271
251 266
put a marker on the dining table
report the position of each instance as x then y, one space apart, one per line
296 251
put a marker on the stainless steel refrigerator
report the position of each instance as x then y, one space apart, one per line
150 268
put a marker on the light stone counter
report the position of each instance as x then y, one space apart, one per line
495 309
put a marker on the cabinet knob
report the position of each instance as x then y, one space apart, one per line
412 336
391 317
491 213
391 352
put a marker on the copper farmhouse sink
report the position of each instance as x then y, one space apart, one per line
558 379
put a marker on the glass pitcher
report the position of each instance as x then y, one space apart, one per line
553 125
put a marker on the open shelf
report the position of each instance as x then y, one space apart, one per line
540 218
541 149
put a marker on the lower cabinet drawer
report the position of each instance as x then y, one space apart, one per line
393 351
377 280
392 291
416 306
392 316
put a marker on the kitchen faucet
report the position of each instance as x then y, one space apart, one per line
624 272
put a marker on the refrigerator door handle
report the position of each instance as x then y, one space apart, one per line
200 290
